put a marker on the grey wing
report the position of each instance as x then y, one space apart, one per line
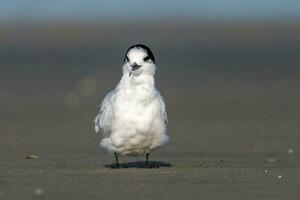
105 115
162 104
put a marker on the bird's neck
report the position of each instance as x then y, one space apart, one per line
133 81
139 87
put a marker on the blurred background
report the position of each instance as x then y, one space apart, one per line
228 69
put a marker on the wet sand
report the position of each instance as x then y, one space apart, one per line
234 130
221 146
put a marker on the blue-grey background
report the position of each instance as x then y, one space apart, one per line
32 10
229 71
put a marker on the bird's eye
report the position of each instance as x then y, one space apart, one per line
147 58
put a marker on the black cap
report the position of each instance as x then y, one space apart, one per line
144 47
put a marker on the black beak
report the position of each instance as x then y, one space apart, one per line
135 66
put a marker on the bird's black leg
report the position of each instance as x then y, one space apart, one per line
117 164
147 163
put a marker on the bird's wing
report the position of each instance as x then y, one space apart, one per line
162 105
105 115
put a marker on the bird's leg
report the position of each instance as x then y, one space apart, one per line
117 164
147 163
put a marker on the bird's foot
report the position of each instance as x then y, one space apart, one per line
115 166
150 166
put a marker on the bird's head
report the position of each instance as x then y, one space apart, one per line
139 59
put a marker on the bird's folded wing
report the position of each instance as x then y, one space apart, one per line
105 115
162 104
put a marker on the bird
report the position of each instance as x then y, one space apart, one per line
132 117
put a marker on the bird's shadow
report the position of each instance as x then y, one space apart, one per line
139 164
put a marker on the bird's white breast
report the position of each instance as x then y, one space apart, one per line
137 125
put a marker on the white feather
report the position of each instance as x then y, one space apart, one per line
104 118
